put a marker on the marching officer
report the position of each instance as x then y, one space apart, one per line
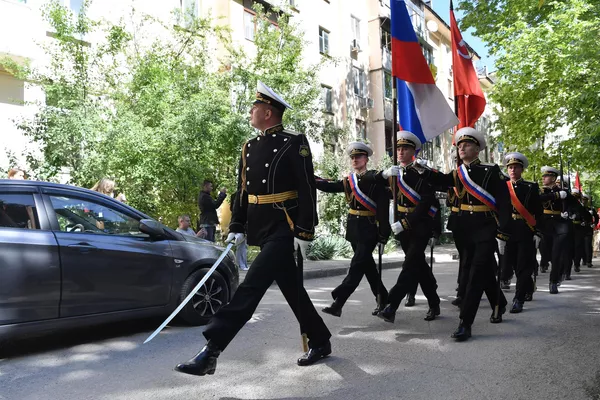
524 228
417 207
276 210
557 227
581 219
367 226
483 220
589 230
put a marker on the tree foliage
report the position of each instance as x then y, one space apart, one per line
548 75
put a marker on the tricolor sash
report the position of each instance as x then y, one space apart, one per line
530 219
359 195
475 190
407 191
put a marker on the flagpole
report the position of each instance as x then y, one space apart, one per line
394 143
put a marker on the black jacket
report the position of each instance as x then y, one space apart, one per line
208 208
275 162
363 228
553 205
528 194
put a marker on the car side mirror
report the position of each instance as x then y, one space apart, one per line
151 227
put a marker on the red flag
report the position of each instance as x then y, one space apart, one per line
577 182
467 89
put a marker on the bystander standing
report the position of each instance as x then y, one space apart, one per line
208 209
186 229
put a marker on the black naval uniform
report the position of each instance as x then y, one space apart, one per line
581 220
520 248
418 226
277 202
588 247
479 226
364 230
556 246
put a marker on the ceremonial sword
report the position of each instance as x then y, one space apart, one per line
192 293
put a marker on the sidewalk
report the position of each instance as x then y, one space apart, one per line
322 269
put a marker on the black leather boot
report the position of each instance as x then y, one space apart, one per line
334 309
457 301
205 362
577 268
528 296
505 285
432 313
314 354
410 300
496 319
388 314
553 288
462 333
517 307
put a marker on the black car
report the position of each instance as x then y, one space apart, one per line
70 257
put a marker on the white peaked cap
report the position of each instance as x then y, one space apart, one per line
516 158
357 147
471 135
265 94
408 138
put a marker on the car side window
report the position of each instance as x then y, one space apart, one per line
79 215
17 210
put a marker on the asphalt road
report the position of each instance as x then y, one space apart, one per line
550 351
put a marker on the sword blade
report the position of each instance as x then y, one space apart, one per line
192 293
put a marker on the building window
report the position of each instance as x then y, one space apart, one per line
428 53
450 89
359 82
323 41
387 85
386 40
427 151
355 31
249 25
327 99
361 129
189 12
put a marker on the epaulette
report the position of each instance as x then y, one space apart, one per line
291 132
487 164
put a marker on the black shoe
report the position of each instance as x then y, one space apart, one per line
410 301
517 307
388 314
462 333
497 319
334 309
457 301
577 268
528 296
568 278
205 362
314 354
504 285
376 311
553 288
590 265
432 313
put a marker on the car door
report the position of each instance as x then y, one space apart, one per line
29 258
107 263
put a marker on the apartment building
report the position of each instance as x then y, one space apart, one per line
354 35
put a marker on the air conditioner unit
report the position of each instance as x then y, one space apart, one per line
354 46
366 103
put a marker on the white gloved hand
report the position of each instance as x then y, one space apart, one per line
419 165
572 216
501 246
562 194
236 238
564 215
397 227
582 223
536 241
391 171
303 244
432 242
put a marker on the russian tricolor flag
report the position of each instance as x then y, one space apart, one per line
422 108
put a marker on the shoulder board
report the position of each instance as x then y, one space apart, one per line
291 132
528 182
487 164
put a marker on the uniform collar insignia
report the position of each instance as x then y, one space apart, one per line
273 129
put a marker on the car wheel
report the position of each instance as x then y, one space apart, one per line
207 301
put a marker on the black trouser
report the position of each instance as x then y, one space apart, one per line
458 242
546 251
561 255
415 270
481 266
275 262
588 247
362 264
463 272
578 247
518 256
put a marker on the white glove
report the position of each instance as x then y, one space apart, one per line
432 242
563 194
572 216
501 246
419 165
582 223
391 171
303 244
236 238
397 227
537 240
564 215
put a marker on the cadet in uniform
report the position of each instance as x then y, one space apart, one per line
368 225
580 217
588 248
417 207
483 220
556 227
524 229
277 203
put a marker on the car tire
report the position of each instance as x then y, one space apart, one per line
200 309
